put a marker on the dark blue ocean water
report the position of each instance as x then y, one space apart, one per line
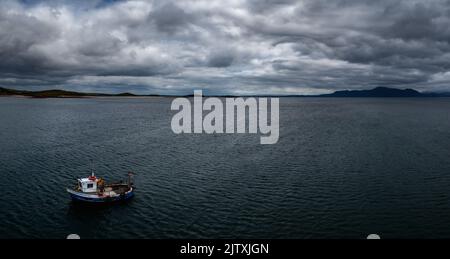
343 168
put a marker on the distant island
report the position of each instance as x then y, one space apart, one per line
375 92
384 92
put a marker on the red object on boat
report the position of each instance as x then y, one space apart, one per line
92 178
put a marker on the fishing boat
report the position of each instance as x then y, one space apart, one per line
93 189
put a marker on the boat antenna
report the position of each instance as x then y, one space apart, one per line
92 168
130 179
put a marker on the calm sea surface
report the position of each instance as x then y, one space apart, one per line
343 168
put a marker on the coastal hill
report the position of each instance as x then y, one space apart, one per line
376 92
54 93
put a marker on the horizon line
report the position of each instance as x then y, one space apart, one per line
71 93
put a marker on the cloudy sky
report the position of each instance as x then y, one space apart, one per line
224 47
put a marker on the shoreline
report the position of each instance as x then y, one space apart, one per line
81 97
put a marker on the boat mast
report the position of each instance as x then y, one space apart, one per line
130 182
92 168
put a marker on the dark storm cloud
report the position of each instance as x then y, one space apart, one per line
267 47
169 18
221 59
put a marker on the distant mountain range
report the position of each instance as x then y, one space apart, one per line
376 92
384 92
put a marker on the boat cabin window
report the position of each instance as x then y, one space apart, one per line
90 185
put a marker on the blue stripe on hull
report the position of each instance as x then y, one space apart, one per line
102 200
